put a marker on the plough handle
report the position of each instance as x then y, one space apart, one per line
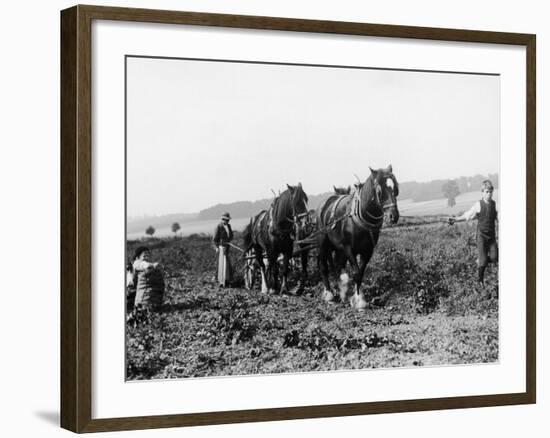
236 247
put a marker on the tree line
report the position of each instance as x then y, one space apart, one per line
417 191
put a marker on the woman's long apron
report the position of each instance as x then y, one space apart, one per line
224 266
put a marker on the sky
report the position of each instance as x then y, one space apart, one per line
201 133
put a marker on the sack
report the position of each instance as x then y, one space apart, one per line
150 288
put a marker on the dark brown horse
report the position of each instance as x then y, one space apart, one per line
272 232
353 225
310 229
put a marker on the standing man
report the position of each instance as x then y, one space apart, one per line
485 212
222 236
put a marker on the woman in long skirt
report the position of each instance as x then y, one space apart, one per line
222 236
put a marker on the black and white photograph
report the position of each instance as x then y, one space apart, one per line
279 218
291 218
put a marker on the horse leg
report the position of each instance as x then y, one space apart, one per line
286 259
358 301
324 251
304 260
303 277
273 274
330 261
343 279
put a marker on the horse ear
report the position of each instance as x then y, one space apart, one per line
334 188
290 188
300 184
389 168
373 172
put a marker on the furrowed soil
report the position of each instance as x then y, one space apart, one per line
425 309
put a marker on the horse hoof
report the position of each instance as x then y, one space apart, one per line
358 303
328 296
344 278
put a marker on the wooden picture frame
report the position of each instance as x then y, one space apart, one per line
76 217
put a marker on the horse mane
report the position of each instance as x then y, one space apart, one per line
369 184
282 204
279 206
301 193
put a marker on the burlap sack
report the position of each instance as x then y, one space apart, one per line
150 288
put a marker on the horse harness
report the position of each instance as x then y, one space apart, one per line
357 216
339 199
372 224
255 229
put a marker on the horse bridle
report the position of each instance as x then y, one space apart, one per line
384 207
378 220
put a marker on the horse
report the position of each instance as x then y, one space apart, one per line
351 225
311 228
272 232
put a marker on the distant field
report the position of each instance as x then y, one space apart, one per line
406 207
439 206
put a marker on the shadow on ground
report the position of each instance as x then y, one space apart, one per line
51 417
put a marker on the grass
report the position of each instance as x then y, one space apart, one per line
426 309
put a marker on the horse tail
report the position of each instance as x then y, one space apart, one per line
247 236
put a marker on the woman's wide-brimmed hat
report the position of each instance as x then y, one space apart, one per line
226 216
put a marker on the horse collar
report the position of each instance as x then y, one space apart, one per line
334 208
358 218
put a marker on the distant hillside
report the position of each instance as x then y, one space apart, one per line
248 209
410 190
416 191
236 209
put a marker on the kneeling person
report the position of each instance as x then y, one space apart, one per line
148 280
